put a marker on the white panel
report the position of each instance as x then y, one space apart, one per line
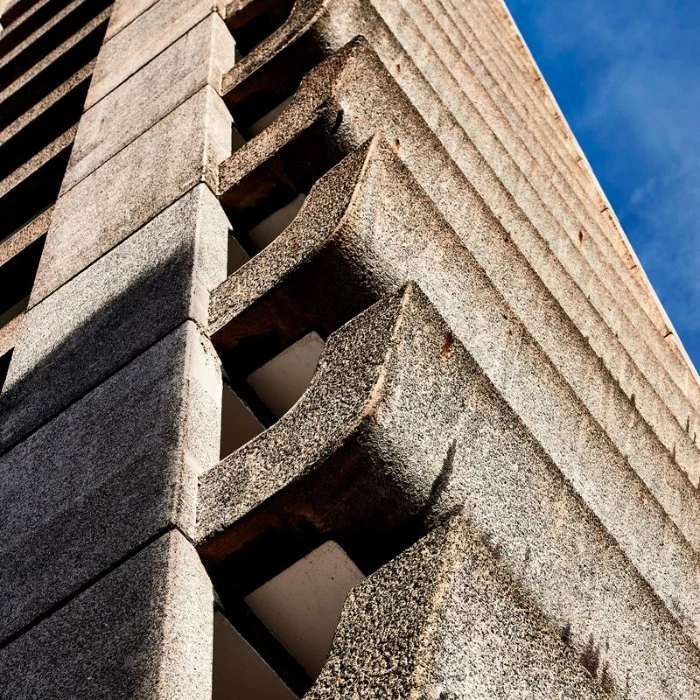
302 605
238 424
281 381
239 672
268 229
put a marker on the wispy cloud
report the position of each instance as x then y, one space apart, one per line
627 76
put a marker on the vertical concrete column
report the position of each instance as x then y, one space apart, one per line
111 407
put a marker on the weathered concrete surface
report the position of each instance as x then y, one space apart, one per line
143 39
444 620
398 428
30 167
111 203
369 224
197 59
107 474
95 25
597 301
142 631
122 304
25 236
46 103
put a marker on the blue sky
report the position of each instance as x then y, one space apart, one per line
627 77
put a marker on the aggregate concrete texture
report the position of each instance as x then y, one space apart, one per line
155 643
400 427
197 59
127 300
444 620
557 386
146 36
599 305
135 185
91 29
105 476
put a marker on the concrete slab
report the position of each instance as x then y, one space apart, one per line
179 151
398 429
139 42
122 304
156 643
197 59
444 620
128 451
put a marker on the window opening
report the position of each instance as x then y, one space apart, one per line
16 281
254 400
288 623
256 20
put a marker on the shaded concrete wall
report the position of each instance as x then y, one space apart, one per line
500 431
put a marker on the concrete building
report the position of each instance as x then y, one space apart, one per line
327 370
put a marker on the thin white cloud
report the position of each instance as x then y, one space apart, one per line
640 107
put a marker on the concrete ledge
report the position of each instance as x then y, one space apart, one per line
398 428
11 90
122 304
197 59
128 451
19 240
130 189
368 223
163 23
155 643
443 619
607 321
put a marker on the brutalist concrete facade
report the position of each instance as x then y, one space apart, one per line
326 369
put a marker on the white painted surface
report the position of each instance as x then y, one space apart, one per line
301 606
236 256
268 229
238 424
281 381
239 671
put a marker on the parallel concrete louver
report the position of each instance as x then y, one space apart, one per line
326 369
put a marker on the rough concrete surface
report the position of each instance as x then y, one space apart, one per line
112 202
156 643
399 427
117 308
143 39
391 233
444 620
104 476
197 59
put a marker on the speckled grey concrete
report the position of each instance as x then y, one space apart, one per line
444 620
575 276
112 202
197 59
140 41
398 428
36 70
106 475
155 643
122 304
57 17
544 368
18 241
30 167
